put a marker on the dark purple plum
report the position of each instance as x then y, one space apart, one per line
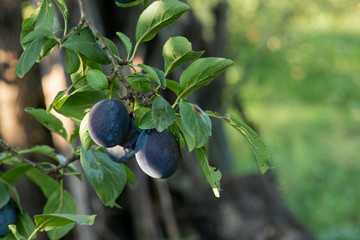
131 136
7 217
120 154
126 1
108 122
157 153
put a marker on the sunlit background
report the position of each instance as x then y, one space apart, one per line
297 66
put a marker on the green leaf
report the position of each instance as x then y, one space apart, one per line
177 51
157 16
112 46
156 74
135 2
145 2
42 33
138 78
173 86
60 201
201 72
47 48
196 122
48 120
48 222
63 9
163 113
28 24
24 225
15 173
186 135
46 16
78 104
86 140
83 41
212 175
15 234
129 175
144 118
107 177
72 61
257 146
28 57
44 149
4 194
126 41
97 80
45 183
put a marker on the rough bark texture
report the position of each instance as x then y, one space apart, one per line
250 207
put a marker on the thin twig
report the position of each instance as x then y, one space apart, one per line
116 62
49 171
6 148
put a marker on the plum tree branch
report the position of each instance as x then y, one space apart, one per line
117 63
49 171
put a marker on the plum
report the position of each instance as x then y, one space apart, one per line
7 217
125 151
126 1
120 154
131 136
157 153
108 122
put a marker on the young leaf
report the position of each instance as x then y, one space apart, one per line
85 139
212 175
72 61
157 16
127 3
126 41
97 80
196 122
156 74
177 51
163 113
4 194
257 146
48 222
60 201
107 177
63 9
46 16
45 183
48 120
83 41
28 24
78 104
28 57
202 72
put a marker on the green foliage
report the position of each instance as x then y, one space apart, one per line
86 50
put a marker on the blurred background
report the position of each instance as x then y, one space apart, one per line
295 81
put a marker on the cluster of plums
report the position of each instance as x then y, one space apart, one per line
7 217
110 126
